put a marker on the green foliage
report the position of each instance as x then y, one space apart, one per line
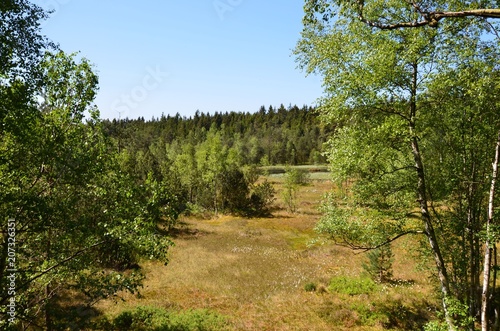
81 222
417 116
367 313
294 177
262 199
200 320
358 228
379 265
150 318
235 191
352 286
436 326
23 45
459 311
286 135
394 15
162 206
201 158
310 287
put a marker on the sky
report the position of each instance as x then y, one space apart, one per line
180 56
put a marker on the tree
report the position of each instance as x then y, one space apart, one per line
23 45
235 190
464 142
210 158
79 222
490 245
294 178
379 265
379 90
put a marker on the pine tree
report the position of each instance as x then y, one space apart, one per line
379 264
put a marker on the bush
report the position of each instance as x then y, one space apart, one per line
199 320
124 321
352 286
294 177
436 326
262 199
235 191
310 287
157 319
297 176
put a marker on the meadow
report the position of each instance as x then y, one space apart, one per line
277 273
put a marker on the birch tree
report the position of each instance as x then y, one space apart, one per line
78 223
389 91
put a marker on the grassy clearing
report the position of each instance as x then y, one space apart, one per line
256 272
280 169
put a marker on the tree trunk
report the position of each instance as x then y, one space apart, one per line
431 235
473 228
496 323
489 244
474 267
48 314
423 203
215 198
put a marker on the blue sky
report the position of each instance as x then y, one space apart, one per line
169 56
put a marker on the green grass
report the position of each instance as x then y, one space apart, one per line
146 318
352 285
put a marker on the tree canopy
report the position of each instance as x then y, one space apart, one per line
417 114
401 14
73 224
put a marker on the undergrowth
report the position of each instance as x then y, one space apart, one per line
352 286
144 318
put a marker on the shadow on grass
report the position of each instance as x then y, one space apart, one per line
186 233
391 315
74 316
402 316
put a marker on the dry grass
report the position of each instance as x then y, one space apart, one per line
254 271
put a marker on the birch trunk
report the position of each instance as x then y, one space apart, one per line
489 244
424 205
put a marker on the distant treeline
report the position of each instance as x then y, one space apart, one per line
283 135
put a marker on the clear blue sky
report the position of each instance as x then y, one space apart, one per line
169 56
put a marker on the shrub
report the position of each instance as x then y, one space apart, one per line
199 320
294 177
124 321
367 313
352 286
157 319
436 326
310 287
297 176
143 318
234 191
262 199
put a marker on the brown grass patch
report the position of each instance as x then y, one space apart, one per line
255 270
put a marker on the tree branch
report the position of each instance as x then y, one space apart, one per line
431 18
58 264
364 249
